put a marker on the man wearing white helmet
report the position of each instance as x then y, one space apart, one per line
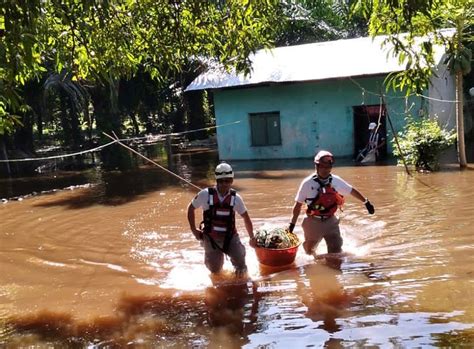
323 193
218 231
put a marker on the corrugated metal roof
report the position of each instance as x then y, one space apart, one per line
310 62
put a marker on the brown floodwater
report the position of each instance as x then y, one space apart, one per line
112 263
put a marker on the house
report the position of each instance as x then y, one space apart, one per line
299 99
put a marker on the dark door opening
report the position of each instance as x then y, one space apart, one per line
363 116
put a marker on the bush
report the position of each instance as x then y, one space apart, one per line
422 142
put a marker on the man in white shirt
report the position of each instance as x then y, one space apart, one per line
217 231
323 193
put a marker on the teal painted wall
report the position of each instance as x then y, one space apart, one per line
313 116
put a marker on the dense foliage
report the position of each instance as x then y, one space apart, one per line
421 143
71 69
422 22
415 28
308 21
96 40
88 51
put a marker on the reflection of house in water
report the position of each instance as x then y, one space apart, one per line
323 95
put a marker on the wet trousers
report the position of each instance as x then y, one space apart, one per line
214 257
316 229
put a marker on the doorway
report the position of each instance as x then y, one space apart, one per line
363 116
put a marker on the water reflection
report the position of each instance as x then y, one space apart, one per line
113 264
324 296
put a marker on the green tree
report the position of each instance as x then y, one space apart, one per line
101 42
308 21
422 21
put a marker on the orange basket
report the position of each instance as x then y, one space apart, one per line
276 257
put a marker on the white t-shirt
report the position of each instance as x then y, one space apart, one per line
202 200
309 188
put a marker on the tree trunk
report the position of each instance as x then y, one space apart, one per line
39 120
75 125
460 121
136 127
196 115
4 156
66 134
108 120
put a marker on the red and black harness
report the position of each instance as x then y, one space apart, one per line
326 201
219 219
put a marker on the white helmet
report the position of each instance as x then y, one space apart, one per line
322 154
223 170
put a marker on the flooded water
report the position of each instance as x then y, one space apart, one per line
111 263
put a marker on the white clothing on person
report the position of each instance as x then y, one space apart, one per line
214 257
309 188
317 229
202 200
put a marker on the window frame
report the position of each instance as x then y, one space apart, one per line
268 117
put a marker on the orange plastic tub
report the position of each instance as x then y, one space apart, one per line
276 257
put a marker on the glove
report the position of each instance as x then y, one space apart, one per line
291 227
370 208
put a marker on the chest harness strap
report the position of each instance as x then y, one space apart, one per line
326 201
219 219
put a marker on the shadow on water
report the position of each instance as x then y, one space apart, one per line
118 188
111 188
223 315
231 316
151 318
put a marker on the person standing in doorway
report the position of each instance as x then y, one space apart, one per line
323 192
375 141
217 230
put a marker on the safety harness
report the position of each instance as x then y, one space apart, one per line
219 219
326 201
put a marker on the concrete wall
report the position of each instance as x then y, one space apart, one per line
313 116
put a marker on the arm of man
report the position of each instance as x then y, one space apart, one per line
249 228
242 211
192 222
296 213
357 194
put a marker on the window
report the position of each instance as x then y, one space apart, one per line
265 129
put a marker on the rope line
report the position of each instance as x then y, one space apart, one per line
116 139
61 156
161 136
158 137
364 90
